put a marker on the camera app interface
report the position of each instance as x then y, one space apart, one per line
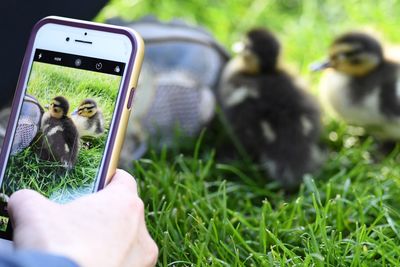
62 128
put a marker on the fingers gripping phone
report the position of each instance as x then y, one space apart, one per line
70 110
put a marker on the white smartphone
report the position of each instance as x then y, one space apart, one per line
70 110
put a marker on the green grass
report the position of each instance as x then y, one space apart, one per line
48 81
203 212
27 170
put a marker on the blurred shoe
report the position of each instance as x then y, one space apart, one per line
175 94
28 124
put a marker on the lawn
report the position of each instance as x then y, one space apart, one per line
46 82
204 212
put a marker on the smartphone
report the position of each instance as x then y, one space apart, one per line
70 110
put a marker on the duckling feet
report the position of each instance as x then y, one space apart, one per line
87 145
67 165
387 147
382 150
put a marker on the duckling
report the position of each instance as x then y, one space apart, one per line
276 121
59 139
88 119
361 86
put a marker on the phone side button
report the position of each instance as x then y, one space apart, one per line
130 100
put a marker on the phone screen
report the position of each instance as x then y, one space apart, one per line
62 130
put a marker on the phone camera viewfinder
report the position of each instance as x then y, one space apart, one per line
78 62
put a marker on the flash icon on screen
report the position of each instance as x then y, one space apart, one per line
40 56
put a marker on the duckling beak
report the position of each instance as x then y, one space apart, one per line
320 66
238 47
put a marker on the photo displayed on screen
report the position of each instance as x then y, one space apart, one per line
62 128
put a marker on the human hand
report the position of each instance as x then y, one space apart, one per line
102 229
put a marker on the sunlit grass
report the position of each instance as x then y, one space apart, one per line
204 212
27 170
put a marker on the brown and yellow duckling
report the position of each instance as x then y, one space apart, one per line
276 121
361 86
59 139
88 119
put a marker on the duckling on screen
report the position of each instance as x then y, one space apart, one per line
78 102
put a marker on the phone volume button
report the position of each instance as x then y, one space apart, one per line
130 100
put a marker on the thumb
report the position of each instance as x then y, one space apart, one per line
25 203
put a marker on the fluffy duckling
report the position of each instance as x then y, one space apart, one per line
277 122
88 119
361 86
59 140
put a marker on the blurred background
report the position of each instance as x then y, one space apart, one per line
305 28
202 211
205 212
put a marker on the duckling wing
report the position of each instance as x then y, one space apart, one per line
294 117
276 117
70 135
389 98
99 123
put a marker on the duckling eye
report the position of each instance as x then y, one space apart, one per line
340 56
355 61
238 47
334 57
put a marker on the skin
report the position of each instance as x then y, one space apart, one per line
105 229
